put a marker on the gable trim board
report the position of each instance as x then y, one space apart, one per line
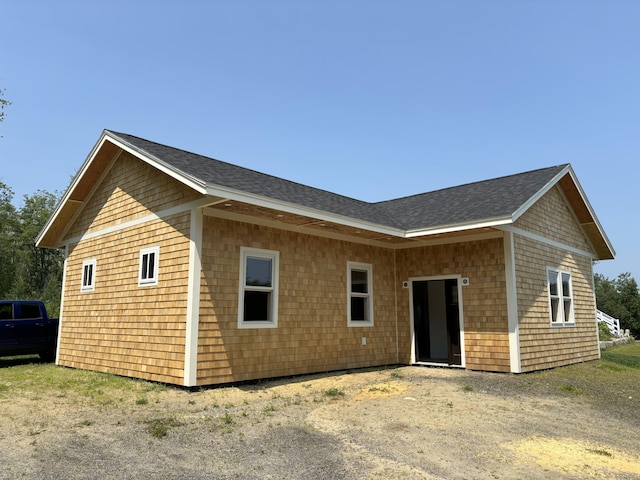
317 235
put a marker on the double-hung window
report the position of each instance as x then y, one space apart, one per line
148 271
88 275
560 297
258 294
359 294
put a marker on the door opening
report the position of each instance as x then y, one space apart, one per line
436 321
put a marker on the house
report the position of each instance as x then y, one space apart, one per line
187 270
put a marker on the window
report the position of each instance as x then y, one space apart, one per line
88 275
560 297
258 304
29 311
148 266
359 294
6 311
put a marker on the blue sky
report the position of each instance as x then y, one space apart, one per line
370 99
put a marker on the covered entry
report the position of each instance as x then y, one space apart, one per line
437 320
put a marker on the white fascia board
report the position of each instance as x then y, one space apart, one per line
459 227
260 201
550 184
182 177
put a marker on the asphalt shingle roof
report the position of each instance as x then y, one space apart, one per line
464 204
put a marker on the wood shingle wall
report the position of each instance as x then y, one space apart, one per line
312 333
130 189
541 344
486 335
121 327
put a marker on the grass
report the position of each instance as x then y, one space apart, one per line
28 377
159 427
626 355
571 389
334 393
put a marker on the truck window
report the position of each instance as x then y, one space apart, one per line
30 310
6 311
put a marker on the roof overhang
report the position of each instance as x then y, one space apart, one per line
105 151
110 146
585 215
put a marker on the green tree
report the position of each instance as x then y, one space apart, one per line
3 103
7 240
38 272
620 298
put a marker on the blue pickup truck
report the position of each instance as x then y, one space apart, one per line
26 329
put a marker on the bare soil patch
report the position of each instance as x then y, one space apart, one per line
400 423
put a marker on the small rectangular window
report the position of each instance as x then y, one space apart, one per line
360 294
560 297
258 306
88 275
149 259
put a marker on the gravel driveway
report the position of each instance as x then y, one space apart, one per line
403 423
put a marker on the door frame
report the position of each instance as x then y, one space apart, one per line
460 319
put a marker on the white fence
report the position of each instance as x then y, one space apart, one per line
612 323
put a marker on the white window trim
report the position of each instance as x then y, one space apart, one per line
561 299
88 286
367 267
149 281
274 256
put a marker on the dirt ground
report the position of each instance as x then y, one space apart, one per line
401 423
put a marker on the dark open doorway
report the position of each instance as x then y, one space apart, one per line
436 321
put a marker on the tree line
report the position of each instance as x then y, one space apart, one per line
27 272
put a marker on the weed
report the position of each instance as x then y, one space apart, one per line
396 374
602 452
142 401
228 405
227 419
468 388
334 393
192 402
379 389
85 423
570 388
604 332
159 427
269 409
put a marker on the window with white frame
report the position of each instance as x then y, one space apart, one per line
258 295
560 297
359 294
148 271
88 275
